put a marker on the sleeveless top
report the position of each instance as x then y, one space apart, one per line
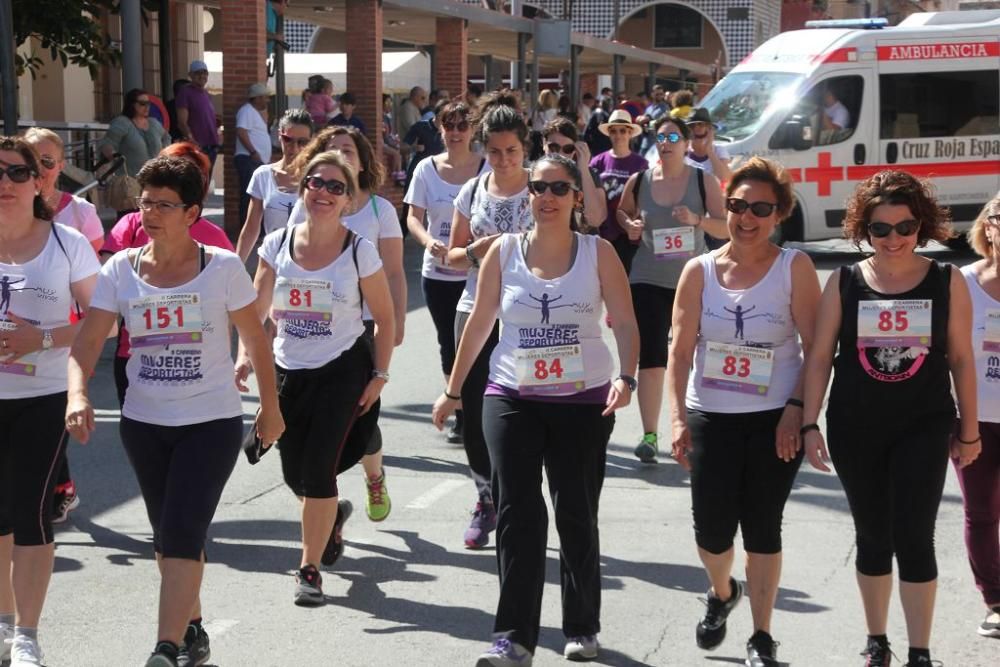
986 347
550 330
748 355
657 261
899 366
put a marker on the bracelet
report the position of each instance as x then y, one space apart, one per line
471 256
449 396
968 442
808 427
381 375
796 402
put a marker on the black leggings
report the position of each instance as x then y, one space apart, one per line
737 480
893 475
653 306
324 434
472 406
182 471
32 441
441 297
571 441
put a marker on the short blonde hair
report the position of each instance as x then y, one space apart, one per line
36 135
547 99
333 159
977 233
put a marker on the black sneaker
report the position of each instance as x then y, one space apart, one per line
762 650
455 433
309 587
335 545
164 655
877 653
923 661
196 649
711 630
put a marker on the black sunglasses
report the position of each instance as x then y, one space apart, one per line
461 126
553 147
48 161
19 173
559 188
760 209
333 186
880 230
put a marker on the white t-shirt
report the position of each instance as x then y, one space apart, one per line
39 291
490 215
838 115
436 196
318 312
250 120
278 203
706 164
985 347
82 216
180 371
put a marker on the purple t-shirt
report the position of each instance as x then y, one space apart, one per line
614 173
201 114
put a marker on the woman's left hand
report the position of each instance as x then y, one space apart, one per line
618 397
686 216
787 440
370 394
582 155
965 454
23 339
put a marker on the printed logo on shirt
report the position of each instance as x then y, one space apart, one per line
893 337
556 334
992 374
739 316
303 329
9 284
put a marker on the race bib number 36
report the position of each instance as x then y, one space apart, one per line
303 299
165 319
673 243
904 323
737 368
550 370
991 341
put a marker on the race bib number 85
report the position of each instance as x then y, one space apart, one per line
165 319
893 322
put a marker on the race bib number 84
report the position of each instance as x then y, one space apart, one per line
165 319
550 370
892 322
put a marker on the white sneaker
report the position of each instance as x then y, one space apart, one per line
6 638
24 652
581 648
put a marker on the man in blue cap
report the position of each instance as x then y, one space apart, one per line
195 112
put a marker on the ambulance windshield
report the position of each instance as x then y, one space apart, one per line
740 101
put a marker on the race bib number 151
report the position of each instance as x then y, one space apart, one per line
165 319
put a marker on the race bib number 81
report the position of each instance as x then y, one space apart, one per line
165 319
303 299
738 368
550 370
904 323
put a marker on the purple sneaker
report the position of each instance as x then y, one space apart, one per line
505 653
484 522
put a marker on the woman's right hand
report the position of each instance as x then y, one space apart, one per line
816 450
681 444
436 248
80 418
633 228
443 407
270 425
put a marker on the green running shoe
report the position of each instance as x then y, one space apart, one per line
647 448
377 504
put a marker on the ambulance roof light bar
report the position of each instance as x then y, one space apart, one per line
857 24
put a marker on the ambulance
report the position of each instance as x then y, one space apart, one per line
840 101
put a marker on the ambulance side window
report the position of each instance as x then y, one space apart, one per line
827 114
939 104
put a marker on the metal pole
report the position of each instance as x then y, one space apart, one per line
574 75
9 86
431 60
651 78
534 71
616 67
131 13
281 95
517 67
166 66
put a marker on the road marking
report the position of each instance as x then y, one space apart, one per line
220 626
435 493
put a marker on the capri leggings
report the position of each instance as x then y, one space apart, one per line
737 480
893 475
374 444
32 441
324 434
182 471
472 406
441 297
653 307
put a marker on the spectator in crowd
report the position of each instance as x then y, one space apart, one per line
548 106
437 95
835 118
705 153
133 134
321 105
411 109
171 104
472 95
390 145
275 8
584 110
346 115
634 108
196 114
655 110
606 100
682 102
566 109
253 140
597 141
424 140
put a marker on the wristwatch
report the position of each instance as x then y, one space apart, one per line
382 375
629 381
471 256
47 341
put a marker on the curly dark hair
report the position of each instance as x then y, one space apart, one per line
372 172
762 170
563 126
683 127
176 173
20 145
896 188
456 111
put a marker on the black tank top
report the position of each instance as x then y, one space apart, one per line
897 380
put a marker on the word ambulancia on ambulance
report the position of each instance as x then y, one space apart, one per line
842 100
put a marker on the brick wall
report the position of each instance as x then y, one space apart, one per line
451 56
364 64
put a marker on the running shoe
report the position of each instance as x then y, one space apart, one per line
6 639
164 655
309 587
335 545
877 653
647 448
377 504
484 522
505 653
923 661
196 649
455 433
24 652
581 648
990 627
762 650
63 502
711 629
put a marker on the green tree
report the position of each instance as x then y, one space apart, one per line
69 31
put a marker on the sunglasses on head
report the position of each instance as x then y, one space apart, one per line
559 188
760 209
292 140
460 126
48 161
333 186
880 230
672 137
19 173
553 147
994 219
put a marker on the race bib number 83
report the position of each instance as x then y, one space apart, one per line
737 368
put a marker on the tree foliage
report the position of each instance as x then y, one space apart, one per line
68 30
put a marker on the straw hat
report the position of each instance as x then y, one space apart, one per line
620 117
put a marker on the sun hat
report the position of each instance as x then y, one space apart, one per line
620 117
700 115
258 90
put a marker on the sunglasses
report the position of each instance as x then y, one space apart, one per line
567 149
147 205
672 137
880 230
760 209
619 130
994 219
460 126
142 103
292 140
18 173
48 161
333 186
559 188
